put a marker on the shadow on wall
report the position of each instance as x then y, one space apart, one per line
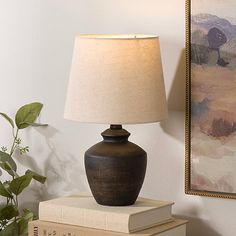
197 227
176 98
63 171
174 125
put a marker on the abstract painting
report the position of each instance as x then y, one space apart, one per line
211 98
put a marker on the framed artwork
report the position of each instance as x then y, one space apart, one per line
211 98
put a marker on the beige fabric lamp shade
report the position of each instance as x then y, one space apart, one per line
116 79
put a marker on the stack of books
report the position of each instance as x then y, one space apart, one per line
82 216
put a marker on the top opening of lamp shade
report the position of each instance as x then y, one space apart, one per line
117 36
116 79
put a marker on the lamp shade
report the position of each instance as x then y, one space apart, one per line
116 79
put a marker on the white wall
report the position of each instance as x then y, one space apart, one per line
36 42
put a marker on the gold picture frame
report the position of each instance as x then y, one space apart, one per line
189 189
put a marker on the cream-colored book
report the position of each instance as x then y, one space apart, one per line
84 211
43 228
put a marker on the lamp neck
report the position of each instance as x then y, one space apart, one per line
116 134
116 127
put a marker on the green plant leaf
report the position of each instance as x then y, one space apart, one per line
7 167
4 191
23 222
7 163
8 212
36 176
23 226
10 230
5 157
8 119
36 124
28 114
27 212
6 185
19 184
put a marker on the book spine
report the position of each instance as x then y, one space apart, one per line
42 228
37 228
85 218
33 230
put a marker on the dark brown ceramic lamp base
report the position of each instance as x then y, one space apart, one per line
115 168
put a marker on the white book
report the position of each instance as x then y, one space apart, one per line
43 228
84 211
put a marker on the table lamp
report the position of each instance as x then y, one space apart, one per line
116 80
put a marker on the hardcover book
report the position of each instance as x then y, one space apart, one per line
43 228
84 211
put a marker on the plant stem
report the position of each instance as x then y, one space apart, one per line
14 142
17 201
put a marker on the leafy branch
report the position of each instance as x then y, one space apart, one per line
14 222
